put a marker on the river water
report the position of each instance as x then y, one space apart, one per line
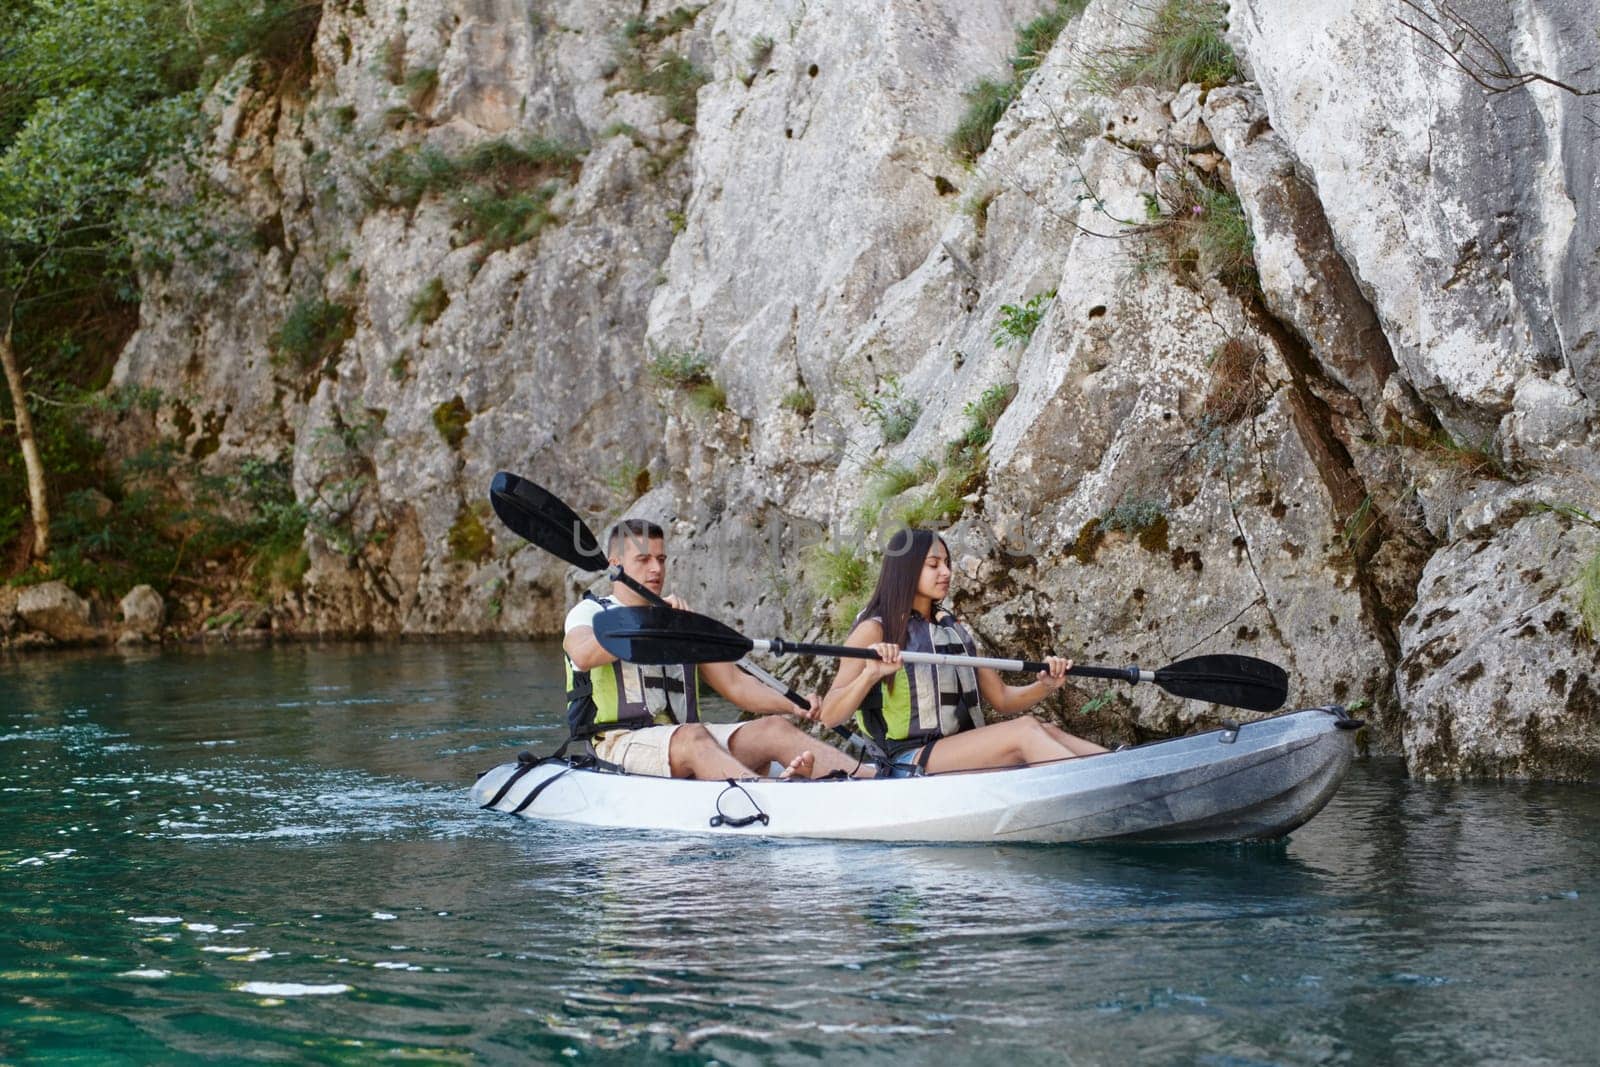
270 854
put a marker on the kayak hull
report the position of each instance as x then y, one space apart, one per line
1257 782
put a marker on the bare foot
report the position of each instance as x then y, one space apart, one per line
799 767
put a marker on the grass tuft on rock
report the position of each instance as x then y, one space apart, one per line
988 99
1185 42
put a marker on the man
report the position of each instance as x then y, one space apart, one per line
655 709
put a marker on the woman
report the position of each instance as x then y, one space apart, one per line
931 717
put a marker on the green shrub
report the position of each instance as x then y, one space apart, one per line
504 220
1018 321
988 99
800 401
314 331
645 67
420 86
499 192
468 539
896 413
450 419
681 368
1195 228
429 303
1185 43
842 576
628 480
690 373
1589 597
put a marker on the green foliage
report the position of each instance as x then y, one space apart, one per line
1144 519
886 481
1589 577
984 412
842 576
800 401
680 368
690 373
469 540
136 530
988 99
1018 321
450 419
761 47
429 303
1589 597
499 192
628 480
646 67
896 413
1196 228
952 482
420 86
314 332
1184 43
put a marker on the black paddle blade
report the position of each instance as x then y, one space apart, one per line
1238 681
535 514
662 635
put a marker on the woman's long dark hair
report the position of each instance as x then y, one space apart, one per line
896 591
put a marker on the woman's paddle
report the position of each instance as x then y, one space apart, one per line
537 515
661 635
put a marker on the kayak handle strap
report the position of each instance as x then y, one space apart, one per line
723 819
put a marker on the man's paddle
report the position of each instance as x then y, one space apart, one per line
535 514
661 635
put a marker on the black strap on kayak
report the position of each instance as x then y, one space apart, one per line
722 819
540 788
526 761
924 756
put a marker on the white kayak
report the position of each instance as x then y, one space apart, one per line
1255 782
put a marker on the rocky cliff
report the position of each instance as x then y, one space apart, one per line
1297 358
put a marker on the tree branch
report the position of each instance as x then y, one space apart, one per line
1471 51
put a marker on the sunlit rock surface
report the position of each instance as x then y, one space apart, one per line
1278 461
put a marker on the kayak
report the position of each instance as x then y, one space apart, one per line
1254 781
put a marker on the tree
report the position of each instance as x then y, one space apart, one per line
93 95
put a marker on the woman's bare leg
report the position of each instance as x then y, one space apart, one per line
1003 744
1077 745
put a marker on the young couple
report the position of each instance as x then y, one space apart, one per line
646 720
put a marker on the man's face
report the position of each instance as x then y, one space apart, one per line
643 560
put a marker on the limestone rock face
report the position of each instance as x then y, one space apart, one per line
1468 215
54 609
771 309
1498 679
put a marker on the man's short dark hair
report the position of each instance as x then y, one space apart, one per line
641 529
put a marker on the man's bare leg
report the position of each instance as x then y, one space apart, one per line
774 740
799 767
694 753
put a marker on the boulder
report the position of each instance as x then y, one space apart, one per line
143 613
1497 677
56 610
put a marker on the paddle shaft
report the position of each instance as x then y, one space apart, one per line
617 574
778 646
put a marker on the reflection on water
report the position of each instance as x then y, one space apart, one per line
271 853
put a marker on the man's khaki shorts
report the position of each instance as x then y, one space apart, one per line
645 751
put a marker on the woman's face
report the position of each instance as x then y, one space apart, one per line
934 581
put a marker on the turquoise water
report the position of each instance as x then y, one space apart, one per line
270 854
